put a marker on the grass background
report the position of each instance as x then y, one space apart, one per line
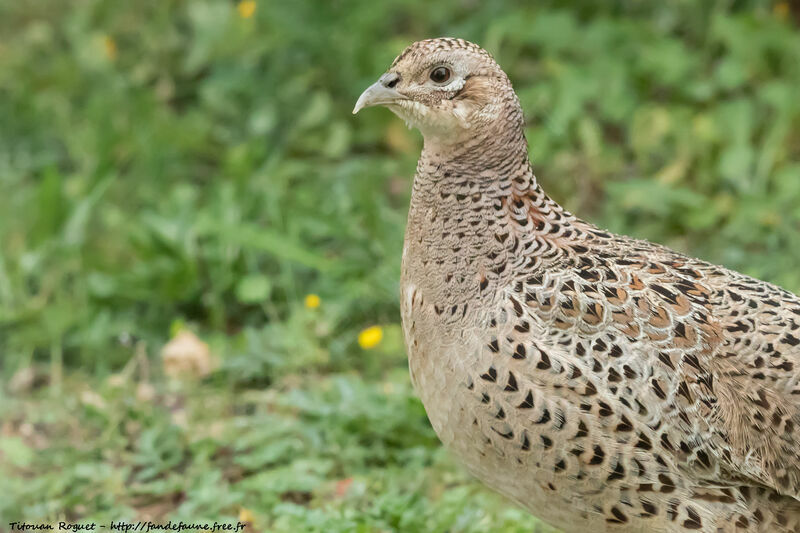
171 165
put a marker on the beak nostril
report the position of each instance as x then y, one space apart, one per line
390 80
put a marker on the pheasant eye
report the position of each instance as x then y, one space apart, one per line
440 74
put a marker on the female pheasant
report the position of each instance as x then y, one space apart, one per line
602 382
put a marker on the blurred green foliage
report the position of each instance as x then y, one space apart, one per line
167 164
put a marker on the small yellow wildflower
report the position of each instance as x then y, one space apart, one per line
312 301
781 10
246 8
770 218
110 47
370 337
246 515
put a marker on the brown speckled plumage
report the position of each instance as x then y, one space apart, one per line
602 382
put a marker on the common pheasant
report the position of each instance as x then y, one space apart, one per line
602 382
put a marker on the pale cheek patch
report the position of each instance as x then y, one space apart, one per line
429 120
447 119
413 113
462 112
448 116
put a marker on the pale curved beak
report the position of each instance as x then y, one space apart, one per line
379 93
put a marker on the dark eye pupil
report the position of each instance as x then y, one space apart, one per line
440 74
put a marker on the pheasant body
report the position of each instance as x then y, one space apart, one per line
597 380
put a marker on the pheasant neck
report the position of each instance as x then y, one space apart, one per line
476 209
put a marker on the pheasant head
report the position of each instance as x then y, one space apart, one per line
450 89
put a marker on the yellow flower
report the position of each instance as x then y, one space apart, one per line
246 515
370 337
312 301
781 10
246 8
110 47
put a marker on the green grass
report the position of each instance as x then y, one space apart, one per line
167 164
